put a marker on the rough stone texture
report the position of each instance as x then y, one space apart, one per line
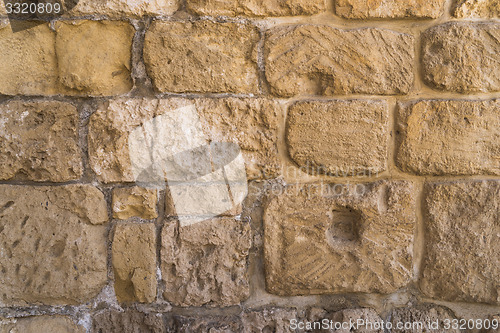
449 137
206 263
363 9
202 56
424 314
53 244
268 320
250 123
346 316
135 202
256 7
134 262
462 235
339 137
321 60
203 324
129 321
52 324
79 58
125 8
39 141
462 57
333 238
476 9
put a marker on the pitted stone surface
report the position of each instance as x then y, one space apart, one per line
53 244
333 238
366 9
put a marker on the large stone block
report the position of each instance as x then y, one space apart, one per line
476 8
462 235
364 9
256 7
134 262
38 324
250 123
129 321
80 58
206 263
39 141
462 57
203 324
53 244
437 137
202 56
135 202
333 238
321 60
339 138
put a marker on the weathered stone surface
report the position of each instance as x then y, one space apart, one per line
129 321
419 317
202 56
39 141
94 57
462 234
476 8
268 320
363 9
250 123
52 324
333 238
78 58
134 262
256 7
346 317
339 138
203 324
53 244
135 202
125 8
462 57
206 263
438 137
321 60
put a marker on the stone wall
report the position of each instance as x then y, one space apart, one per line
370 135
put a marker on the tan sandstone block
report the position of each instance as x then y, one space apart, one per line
476 8
363 9
206 263
438 137
53 244
250 123
94 57
32 61
256 7
135 202
202 56
321 60
462 235
261 320
333 238
339 137
39 141
134 262
79 58
39 324
125 8
462 57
